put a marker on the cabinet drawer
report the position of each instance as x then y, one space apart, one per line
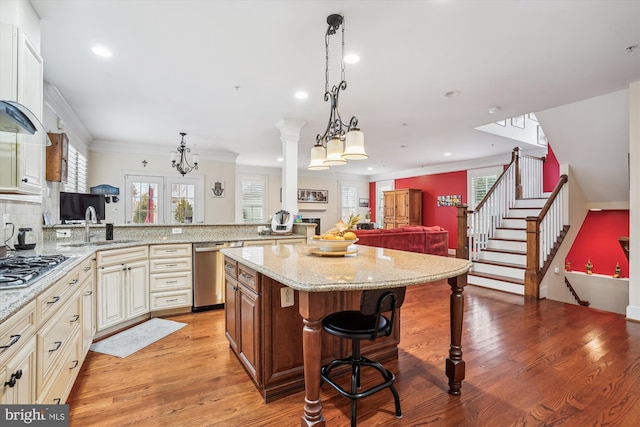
55 336
171 299
248 277
121 256
56 390
85 270
171 281
17 330
53 298
170 251
231 267
168 265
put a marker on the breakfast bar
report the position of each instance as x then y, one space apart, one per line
313 274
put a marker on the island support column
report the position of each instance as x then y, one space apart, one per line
455 366
312 311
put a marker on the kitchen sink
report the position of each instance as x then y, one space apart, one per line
98 243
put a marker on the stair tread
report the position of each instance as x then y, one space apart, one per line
501 264
506 239
497 277
505 251
511 228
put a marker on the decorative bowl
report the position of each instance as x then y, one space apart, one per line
334 245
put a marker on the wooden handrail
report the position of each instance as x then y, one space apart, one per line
562 181
514 157
575 294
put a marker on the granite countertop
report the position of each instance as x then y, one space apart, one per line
12 300
296 267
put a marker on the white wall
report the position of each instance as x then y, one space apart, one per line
633 310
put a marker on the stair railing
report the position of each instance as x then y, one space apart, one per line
544 235
576 298
510 186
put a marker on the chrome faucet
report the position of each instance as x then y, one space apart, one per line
89 215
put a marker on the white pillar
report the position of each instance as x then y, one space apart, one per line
633 309
290 136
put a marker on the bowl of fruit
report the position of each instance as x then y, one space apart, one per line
329 242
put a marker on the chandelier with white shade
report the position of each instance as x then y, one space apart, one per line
341 141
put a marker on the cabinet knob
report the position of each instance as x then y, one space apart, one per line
25 180
75 318
14 339
58 345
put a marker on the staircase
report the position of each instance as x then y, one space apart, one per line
502 264
515 231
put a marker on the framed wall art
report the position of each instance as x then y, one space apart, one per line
313 196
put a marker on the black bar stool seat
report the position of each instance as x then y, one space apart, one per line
367 324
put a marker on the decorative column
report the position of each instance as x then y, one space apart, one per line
290 136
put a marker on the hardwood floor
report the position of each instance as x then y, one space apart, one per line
536 363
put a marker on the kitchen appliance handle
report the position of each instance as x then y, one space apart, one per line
210 248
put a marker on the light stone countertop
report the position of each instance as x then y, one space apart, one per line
369 268
12 300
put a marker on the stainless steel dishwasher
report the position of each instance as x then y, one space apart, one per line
208 274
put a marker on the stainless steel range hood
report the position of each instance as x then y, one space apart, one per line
16 118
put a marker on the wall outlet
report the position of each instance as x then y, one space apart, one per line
176 231
65 232
286 297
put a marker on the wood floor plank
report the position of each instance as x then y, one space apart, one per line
528 363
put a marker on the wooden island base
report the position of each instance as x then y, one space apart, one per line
268 338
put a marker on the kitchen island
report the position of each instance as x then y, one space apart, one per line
313 276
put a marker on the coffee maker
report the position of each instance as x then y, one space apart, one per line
282 222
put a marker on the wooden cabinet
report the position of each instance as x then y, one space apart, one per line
242 315
57 157
264 329
18 357
402 207
122 286
171 277
21 80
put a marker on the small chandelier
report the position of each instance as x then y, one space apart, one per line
183 165
340 141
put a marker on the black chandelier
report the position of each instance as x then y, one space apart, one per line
340 141
183 166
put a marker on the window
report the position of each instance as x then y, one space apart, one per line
253 198
381 187
348 200
161 199
76 171
479 182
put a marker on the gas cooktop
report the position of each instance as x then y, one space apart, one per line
22 271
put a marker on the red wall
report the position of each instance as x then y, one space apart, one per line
441 184
550 171
597 241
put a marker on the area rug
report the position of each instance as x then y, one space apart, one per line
133 339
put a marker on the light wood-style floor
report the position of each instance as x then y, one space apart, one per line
528 364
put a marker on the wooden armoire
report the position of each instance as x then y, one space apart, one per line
402 207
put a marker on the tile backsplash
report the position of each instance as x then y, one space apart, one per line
21 214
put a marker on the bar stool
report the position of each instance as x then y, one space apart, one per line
367 324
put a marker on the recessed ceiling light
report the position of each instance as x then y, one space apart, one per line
351 58
494 109
403 146
369 168
447 154
301 94
279 159
101 51
632 48
452 93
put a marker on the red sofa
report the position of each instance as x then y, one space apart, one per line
427 240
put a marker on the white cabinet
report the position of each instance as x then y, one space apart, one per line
18 357
122 285
171 277
21 80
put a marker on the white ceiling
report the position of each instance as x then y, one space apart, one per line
225 72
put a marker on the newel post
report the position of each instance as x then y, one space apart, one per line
531 275
462 245
515 157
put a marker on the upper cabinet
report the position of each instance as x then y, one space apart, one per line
57 155
21 80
